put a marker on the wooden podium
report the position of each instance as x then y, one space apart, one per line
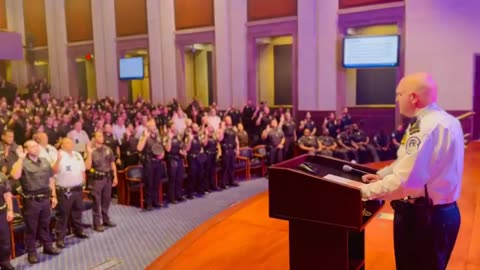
326 220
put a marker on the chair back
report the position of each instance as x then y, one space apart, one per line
260 150
134 172
17 210
246 152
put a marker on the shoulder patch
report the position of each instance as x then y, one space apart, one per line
412 144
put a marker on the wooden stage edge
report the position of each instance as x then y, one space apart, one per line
243 236
174 251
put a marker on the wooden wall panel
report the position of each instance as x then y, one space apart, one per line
268 9
3 69
358 3
194 13
3 15
79 20
35 21
131 17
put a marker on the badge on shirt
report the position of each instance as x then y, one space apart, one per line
413 144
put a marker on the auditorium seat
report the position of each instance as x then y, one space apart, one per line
260 152
242 163
134 183
17 226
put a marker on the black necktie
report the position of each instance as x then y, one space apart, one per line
413 120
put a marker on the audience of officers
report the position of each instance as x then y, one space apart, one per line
58 161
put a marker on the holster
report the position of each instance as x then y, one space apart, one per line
423 211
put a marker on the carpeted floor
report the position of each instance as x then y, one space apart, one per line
140 237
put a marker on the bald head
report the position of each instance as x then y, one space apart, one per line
414 92
67 144
41 138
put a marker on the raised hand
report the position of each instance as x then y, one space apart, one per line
89 148
146 133
21 153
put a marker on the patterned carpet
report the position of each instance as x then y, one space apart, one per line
140 237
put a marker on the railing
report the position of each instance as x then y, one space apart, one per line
468 136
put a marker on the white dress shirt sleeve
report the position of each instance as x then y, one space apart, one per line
386 170
412 170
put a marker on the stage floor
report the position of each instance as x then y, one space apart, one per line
244 237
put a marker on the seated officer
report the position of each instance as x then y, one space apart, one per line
382 144
327 144
347 151
397 137
308 143
361 141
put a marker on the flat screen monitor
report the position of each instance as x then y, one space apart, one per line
131 68
371 51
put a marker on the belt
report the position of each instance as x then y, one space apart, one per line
68 189
228 146
435 206
100 173
37 196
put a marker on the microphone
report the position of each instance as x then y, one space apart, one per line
347 168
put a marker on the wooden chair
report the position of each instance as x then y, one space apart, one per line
260 152
121 186
134 183
242 163
163 180
254 162
17 225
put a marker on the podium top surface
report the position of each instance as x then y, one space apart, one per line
306 195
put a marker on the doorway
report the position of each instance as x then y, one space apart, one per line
198 73
86 79
274 70
81 72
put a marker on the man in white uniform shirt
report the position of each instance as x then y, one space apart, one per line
424 182
69 172
79 137
47 151
119 129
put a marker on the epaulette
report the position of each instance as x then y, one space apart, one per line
414 128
